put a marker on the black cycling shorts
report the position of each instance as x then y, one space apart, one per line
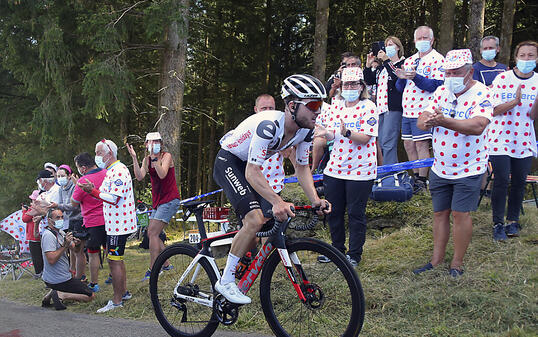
97 238
116 246
229 173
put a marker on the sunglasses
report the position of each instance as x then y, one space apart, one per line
312 105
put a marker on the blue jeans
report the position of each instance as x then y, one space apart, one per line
389 131
503 166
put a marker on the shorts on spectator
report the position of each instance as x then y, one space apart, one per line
73 286
166 211
97 238
75 225
116 246
460 195
410 130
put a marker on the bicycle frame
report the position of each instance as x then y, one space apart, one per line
275 242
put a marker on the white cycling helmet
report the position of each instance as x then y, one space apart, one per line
303 86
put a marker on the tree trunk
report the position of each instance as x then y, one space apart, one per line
507 28
320 38
446 31
267 56
172 85
476 26
462 35
199 156
212 149
433 19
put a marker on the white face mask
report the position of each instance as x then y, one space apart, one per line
41 188
456 84
58 224
62 181
423 45
99 162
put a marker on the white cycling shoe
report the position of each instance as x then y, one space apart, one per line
232 293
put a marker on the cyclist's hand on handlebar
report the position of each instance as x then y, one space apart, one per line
325 207
283 210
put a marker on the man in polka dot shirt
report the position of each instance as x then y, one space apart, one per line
421 75
116 192
459 114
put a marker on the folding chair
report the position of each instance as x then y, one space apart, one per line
533 180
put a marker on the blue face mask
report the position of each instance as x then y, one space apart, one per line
456 84
526 66
391 51
350 95
58 224
156 148
423 45
62 181
489 54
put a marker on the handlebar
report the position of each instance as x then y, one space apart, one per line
278 225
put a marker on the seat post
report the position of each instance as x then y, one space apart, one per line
198 213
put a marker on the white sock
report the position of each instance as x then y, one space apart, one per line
229 271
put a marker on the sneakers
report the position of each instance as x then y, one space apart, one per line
499 233
323 259
512 229
146 276
232 293
110 306
94 287
352 261
167 268
127 296
422 269
108 279
455 273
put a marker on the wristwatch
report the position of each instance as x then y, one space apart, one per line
348 133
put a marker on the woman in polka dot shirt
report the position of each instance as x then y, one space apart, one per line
512 142
352 167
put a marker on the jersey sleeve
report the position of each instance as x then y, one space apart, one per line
496 90
78 194
264 134
436 99
484 108
369 121
302 152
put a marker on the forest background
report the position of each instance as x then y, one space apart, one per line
73 72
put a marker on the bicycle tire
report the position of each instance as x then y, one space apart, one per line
342 311
161 288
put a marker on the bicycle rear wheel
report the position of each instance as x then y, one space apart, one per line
180 317
335 300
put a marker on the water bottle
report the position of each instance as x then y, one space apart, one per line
242 266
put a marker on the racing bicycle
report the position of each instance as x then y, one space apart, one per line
298 295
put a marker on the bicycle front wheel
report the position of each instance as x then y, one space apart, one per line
335 301
178 316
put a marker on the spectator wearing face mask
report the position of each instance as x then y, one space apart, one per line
349 60
31 216
72 216
487 68
47 184
164 192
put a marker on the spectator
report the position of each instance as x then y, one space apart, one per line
487 68
164 192
422 74
371 73
92 214
72 218
51 168
351 170
321 148
47 184
459 113
116 192
333 84
389 99
512 141
56 273
31 216
264 102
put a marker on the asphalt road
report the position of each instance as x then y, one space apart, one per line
20 320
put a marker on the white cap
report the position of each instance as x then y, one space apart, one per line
457 58
352 74
50 165
153 136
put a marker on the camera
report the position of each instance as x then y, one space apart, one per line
81 235
377 46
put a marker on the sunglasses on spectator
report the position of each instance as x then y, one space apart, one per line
312 105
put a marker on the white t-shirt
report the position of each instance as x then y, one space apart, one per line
260 136
120 219
512 133
414 99
350 160
52 195
273 171
457 155
382 100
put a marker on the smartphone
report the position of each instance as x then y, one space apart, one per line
377 46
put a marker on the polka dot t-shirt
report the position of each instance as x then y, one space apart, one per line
382 99
457 155
350 160
120 219
414 99
273 171
512 133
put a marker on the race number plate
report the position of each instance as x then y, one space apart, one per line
194 237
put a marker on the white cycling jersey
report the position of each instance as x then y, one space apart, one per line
260 136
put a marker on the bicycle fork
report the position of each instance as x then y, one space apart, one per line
287 260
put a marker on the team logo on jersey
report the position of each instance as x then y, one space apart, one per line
427 70
371 121
118 182
485 104
266 130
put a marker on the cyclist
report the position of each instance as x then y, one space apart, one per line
245 149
